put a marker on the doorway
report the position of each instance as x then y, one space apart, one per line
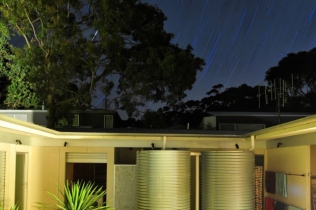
21 180
87 167
88 172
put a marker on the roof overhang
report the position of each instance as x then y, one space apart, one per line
301 126
12 125
298 127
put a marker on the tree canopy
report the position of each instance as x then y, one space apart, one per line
16 91
296 74
291 87
242 98
75 48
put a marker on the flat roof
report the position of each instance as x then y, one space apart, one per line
152 131
265 114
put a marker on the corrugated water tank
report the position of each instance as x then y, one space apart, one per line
227 180
163 180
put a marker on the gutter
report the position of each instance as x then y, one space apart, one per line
297 127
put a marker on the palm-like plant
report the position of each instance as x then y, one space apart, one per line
80 196
15 207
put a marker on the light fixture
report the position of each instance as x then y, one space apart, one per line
18 142
65 144
237 146
152 146
279 144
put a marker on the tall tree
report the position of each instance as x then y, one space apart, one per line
152 119
3 90
83 43
295 77
241 98
16 91
4 55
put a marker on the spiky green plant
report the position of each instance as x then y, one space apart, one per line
15 207
80 196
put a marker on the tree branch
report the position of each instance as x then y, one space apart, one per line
24 35
40 43
39 19
68 9
68 100
92 81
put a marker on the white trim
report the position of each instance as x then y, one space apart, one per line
75 157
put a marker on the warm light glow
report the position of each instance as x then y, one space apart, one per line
21 128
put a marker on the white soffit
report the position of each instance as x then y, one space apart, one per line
18 126
298 127
86 157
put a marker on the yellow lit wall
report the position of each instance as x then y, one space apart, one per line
294 160
11 150
48 168
43 175
110 166
9 180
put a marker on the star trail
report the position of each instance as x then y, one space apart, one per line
239 39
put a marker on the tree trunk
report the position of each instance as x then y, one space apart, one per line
50 112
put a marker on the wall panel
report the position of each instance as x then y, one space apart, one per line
292 160
43 173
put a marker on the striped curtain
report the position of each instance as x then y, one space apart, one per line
258 187
2 178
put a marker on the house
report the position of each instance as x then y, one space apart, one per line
250 121
34 158
37 117
96 118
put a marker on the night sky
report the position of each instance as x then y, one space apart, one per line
239 39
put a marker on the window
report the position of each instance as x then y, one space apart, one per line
86 157
108 121
87 167
21 180
75 121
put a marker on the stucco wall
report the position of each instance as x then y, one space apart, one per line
43 175
48 168
293 160
10 159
